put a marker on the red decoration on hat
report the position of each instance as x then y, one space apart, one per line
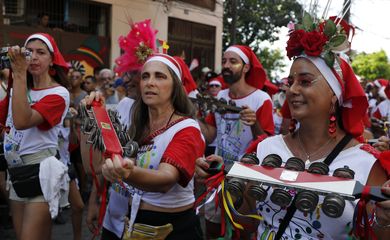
186 77
354 95
256 76
138 45
270 88
58 59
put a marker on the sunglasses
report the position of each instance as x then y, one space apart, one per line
214 85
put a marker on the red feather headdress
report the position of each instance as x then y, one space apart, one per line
138 45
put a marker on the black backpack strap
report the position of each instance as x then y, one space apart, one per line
292 209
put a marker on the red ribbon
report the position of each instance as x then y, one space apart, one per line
211 183
363 228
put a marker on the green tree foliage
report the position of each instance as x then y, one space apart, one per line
249 22
254 21
271 60
372 66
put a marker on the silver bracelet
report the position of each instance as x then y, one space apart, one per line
378 224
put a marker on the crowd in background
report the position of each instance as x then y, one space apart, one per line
227 136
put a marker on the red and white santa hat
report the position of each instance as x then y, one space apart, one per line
216 82
351 97
167 60
58 59
186 77
381 83
256 76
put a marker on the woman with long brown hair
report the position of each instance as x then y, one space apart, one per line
39 103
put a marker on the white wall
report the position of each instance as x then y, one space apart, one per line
158 12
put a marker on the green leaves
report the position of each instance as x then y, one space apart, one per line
329 58
330 28
307 22
337 40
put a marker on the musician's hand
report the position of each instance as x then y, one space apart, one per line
248 116
94 95
383 208
382 144
202 164
117 169
73 111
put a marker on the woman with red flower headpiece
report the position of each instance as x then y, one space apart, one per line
326 104
327 101
38 105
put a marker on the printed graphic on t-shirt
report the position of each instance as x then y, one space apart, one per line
12 141
146 155
301 226
229 134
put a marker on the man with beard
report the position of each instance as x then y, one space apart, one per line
245 76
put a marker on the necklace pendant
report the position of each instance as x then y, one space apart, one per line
307 161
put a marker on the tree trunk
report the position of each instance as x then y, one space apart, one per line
233 29
1 12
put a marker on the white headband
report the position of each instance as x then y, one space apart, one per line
167 62
328 75
215 82
42 38
239 52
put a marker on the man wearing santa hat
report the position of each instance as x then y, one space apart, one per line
244 76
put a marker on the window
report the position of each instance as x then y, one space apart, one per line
81 16
192 40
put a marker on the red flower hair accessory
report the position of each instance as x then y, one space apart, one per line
324 39
138 45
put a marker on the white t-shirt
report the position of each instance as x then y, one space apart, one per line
233 136
124 110
52 103
316 225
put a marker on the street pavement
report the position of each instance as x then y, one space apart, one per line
59 231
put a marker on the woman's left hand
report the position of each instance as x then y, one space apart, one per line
18 59
248 116
383 208
117 169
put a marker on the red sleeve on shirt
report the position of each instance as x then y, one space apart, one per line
51 107
377 114
186 146
265 118
210 120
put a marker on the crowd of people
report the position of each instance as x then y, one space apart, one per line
320 113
